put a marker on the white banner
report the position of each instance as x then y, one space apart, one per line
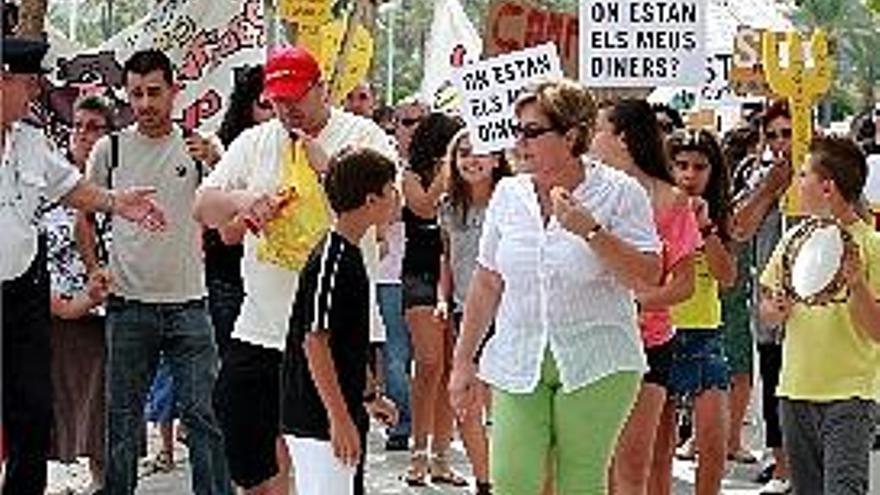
452 42
489 89
633 43
205 40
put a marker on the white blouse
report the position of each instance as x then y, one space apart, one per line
557 292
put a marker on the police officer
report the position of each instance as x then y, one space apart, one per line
31 176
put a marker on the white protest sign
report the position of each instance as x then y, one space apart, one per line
489 89
716 89
642 43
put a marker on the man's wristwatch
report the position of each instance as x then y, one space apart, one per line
593 232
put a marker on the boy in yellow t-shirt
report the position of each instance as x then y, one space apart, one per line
829 372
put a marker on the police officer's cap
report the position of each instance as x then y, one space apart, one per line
23 56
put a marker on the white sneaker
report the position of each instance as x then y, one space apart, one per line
776 486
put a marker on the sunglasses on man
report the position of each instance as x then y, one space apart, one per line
409 121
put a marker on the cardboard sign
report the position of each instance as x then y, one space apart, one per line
489 89
642 43
512 25
747 74
305 12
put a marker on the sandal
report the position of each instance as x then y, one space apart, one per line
742 456
162 463
443 474
417 473
687 452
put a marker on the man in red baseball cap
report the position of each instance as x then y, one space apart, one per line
293 83
251 185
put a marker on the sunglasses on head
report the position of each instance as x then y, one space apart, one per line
781 134
530 131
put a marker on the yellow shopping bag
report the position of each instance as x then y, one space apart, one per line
288 239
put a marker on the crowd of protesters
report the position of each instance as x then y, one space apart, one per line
579 310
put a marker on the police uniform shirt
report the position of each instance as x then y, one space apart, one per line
32 174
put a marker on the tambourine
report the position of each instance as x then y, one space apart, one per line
813 261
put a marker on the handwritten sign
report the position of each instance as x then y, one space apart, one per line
642 43
747 73
305 12
512 25
490 87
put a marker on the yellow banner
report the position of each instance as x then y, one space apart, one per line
325 42
305 12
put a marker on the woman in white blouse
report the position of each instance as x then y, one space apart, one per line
561 248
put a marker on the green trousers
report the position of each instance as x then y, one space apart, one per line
578 429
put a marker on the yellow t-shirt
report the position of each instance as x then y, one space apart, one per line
703 309
824 356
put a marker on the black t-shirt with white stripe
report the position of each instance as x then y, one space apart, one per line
333 297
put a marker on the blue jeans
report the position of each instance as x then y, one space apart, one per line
160 399
136 334
224 303
397 353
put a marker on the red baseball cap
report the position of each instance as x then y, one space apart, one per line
290 72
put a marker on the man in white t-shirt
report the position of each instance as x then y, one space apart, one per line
251 184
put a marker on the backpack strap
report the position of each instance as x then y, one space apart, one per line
114 158
200 167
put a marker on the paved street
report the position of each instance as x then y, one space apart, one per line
384 469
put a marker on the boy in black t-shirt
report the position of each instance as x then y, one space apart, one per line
324 404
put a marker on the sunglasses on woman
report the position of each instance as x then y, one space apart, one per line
530 131
781 134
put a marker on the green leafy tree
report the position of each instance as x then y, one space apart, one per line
855 33
96 21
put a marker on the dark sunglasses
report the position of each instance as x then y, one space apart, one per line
88 127
782 134
530 131
264 104
409 122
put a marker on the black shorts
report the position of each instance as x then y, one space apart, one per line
248 404
659 363
419 290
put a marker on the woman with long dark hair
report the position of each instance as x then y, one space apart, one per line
629 138
699 371
423 186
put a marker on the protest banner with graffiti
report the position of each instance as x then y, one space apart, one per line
490 87
512 25
206 41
